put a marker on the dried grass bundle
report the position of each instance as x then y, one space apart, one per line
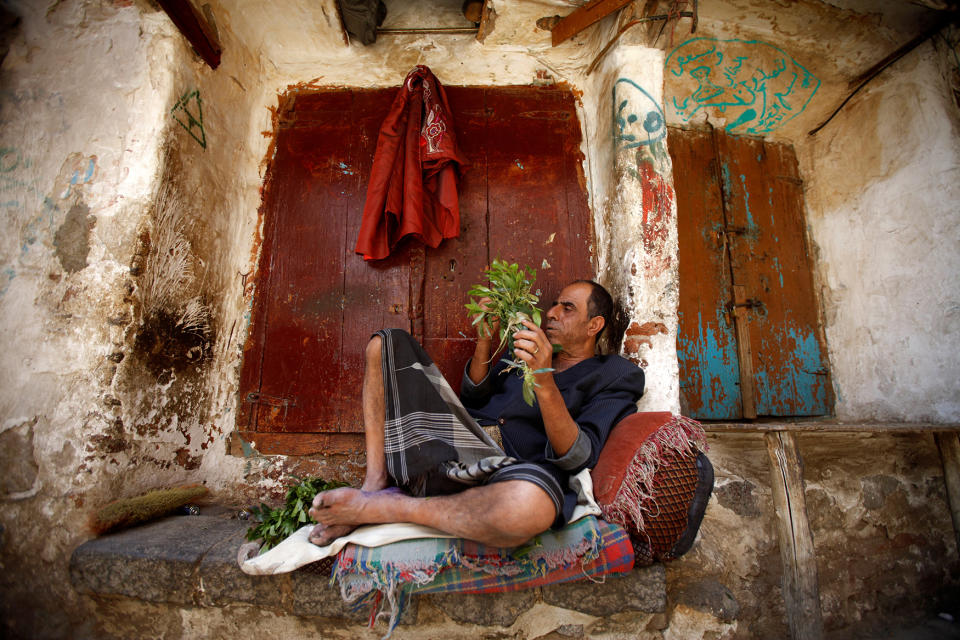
128 512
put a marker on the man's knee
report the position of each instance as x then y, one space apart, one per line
528 512
374 349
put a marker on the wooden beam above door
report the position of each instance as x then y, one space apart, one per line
583 17
195 28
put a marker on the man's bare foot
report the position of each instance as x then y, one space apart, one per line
340 511
322 534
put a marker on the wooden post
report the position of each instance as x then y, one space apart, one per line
949 445
801 588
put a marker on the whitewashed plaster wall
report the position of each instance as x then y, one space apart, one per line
883 198
83 105
89 133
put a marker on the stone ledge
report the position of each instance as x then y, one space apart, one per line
191 560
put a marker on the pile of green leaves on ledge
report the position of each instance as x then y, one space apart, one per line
511 301
274 525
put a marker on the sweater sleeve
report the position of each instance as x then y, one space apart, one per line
601 410
474 395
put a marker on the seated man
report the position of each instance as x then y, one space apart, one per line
459 480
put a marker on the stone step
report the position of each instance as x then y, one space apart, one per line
191 560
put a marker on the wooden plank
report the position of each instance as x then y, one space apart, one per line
763 204
741 321
453 267
949 445
195 29
376 294
298 444
583 17
829 426
533 219
801 589
706 341
302 328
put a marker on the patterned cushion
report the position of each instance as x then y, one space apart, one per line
653 479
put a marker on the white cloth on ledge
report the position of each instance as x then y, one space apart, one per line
297 551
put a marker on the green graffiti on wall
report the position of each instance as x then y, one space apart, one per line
188 112
756 86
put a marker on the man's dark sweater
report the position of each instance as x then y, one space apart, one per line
598 393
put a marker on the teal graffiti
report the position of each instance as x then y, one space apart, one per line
77 178
13 186
756 97
637 117
188 112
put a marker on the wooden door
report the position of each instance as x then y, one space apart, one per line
750 343
317 302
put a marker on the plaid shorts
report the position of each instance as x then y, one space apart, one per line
433 446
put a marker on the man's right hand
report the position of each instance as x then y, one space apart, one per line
487 331
490 328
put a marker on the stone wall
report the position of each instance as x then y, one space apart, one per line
882 533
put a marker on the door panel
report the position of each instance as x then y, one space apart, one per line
317 302
322 303
537 207
707 346
458 263
759 245
763 199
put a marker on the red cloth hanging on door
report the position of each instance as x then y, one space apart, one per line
413 182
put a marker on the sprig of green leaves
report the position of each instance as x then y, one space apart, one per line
275 525
512 301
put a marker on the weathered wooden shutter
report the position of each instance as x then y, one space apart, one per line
749 337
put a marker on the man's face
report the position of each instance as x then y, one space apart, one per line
567 319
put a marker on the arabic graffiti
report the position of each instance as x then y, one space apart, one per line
638 117
188 112
755 85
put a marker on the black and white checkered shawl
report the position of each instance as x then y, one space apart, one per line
432 445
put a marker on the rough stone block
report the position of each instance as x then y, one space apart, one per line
640 590
710 597
313 595
501 609
223 582
16 458
157 562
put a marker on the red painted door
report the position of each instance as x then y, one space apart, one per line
749 338
317 302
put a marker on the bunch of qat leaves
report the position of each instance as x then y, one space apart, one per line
511 301
275 525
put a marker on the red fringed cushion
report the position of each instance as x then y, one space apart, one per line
653 479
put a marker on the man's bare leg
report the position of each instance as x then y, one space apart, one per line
374 415
504 514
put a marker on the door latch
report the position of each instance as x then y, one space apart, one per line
273 401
